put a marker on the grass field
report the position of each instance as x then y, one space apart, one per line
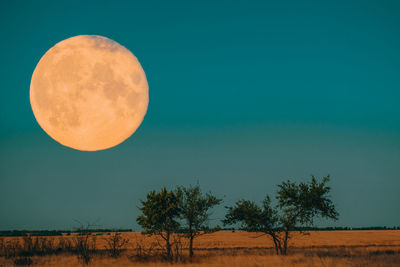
226 248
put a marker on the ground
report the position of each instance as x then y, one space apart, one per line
227 248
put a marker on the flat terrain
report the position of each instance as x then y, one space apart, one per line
226 248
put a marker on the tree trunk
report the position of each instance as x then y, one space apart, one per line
191 246
285 242
168 245
277 243
276 246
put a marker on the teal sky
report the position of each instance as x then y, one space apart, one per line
243 95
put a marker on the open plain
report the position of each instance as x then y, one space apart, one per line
239 248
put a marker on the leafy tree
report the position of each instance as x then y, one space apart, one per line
298 205
160 214
195 212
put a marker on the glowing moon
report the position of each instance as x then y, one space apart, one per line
89 93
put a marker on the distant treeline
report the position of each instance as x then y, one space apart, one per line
349 228
68 232
57 232
339 228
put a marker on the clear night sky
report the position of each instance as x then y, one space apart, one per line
243 95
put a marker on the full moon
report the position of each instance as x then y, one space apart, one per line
89 93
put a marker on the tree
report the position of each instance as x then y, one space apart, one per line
160 214
298 205
195 212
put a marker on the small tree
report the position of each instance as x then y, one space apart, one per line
160 214
195 212
298 205
85 244
115 244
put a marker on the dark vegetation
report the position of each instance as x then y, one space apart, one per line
183 211
83 245
194 212
298 205
16 233
58 232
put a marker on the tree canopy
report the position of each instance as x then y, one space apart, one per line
195 212
298 205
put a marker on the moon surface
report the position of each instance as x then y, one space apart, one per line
89 93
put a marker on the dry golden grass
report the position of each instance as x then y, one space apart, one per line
226 248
